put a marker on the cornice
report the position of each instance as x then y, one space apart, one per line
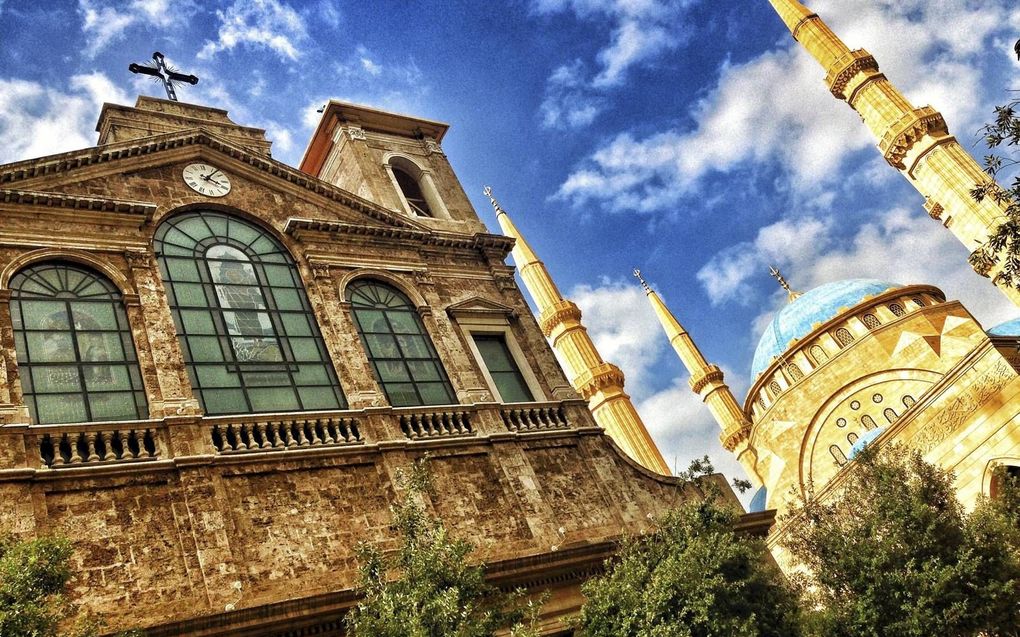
76 202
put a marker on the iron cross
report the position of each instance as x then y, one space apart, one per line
163 73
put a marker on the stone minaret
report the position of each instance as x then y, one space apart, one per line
707 381
598 382
915 141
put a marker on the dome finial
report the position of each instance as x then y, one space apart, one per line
495 204
793 294
637 273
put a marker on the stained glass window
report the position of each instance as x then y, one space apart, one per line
502 368
75 354
403 357
250 340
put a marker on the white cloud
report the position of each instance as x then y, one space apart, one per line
641 31
775 107
36 120
899 246
105 22
266 24
395 86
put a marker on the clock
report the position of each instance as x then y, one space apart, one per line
207 180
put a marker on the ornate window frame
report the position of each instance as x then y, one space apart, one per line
424 178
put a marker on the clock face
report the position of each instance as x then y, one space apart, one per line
206 179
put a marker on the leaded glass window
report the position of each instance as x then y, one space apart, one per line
402 354
75 354
502 368
250 340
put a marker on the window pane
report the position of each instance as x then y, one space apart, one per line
279 276
266 379
318 398
495 353
254 349
306 349
60 408
511 387
224 401
53 380
93 316
101 346
392 371
107 378
217 376
287 300
502 368
372 321
205 348
274 399
189 294
44 315
434 394
313 375
404 322
296 324
402 395
116 406
414 346
182 269
50 347
197 322
248 323
424 370
382 346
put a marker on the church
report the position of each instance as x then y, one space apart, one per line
871 362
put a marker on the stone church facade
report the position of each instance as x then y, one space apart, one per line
214 364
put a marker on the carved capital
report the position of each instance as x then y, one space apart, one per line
138 259
557 315
846 68
711 375
982 261
731 440
320 270
355 133
933 208
432 147
907 131
422 277
605 376
504 280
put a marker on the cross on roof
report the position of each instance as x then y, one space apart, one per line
167 74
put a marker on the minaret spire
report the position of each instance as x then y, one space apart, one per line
778 276
598 382
707 381
914 141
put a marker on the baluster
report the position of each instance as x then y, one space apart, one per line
261 436
217 438
134 446
79 450
150 443
66 449
47 451
298 429
412 426
355 432
313 429
117 445
432 422
330 433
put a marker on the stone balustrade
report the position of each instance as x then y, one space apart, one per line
534 417
98 443
238 436
436 423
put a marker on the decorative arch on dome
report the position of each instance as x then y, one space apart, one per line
794 371
818 354
890 414
775 389
868 422
843 337
871 321
908 401
837 455
897 309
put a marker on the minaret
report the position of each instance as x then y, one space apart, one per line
598 382
915 141
707 381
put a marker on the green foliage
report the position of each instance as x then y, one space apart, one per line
427 588
894 554
1005 239
692 577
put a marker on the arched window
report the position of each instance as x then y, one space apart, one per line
74 347
775 389
818 354
843 337
918 301
896 309
794 371
410 187
837 455
851 438
868 422
871 321
908 401
761 403
250 340
890 415
402 354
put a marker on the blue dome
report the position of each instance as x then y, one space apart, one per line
863 441
1009 328
797 319
758 501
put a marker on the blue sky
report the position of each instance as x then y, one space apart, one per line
692 139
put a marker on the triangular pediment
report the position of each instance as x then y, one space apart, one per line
477 305
79 173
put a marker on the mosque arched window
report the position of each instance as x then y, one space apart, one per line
868 422
404 359
896 309
761 403
871 321
74 348
918 301
818 354
775 389
794 371
837 455
843 337
249 338
890 415
851 438
908 401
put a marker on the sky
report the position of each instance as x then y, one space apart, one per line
691 139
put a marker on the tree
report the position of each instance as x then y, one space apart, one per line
693 576
427 588
1005 239
893 553
33 578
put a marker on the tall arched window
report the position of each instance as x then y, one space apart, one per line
837 455
896 309
851 438
918 301
75 354
843 337
818 354
250 340
908 401
890 415
794 371
410 187
405 361
868 422
871 321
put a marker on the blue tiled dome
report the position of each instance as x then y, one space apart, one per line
797 319
758 501
1009 328
863 441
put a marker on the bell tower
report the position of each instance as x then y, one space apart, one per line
914 141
